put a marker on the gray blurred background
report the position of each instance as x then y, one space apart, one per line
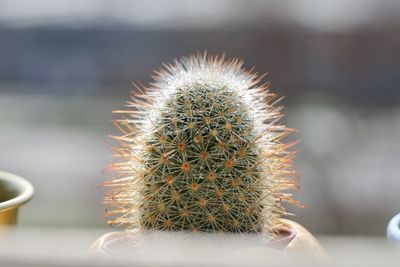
65 65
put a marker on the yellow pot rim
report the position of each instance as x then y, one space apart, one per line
24 187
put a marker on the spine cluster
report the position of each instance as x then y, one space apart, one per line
201 150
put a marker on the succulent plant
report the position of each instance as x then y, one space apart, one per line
201 149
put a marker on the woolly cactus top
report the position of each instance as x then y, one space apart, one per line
201 150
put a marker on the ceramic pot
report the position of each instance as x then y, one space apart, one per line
393 230
294 240
14 192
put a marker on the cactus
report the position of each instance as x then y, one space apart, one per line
201 149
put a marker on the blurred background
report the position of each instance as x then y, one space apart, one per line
65 65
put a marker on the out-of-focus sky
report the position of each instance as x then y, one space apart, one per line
65 65
327 15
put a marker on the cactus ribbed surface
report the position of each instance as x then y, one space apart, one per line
201 150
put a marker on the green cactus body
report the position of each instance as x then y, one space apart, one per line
201 151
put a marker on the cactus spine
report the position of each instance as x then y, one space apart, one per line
201 150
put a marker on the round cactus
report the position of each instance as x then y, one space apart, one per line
201 150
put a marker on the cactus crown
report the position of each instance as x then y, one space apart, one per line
201 150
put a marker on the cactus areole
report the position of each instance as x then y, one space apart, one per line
201 149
